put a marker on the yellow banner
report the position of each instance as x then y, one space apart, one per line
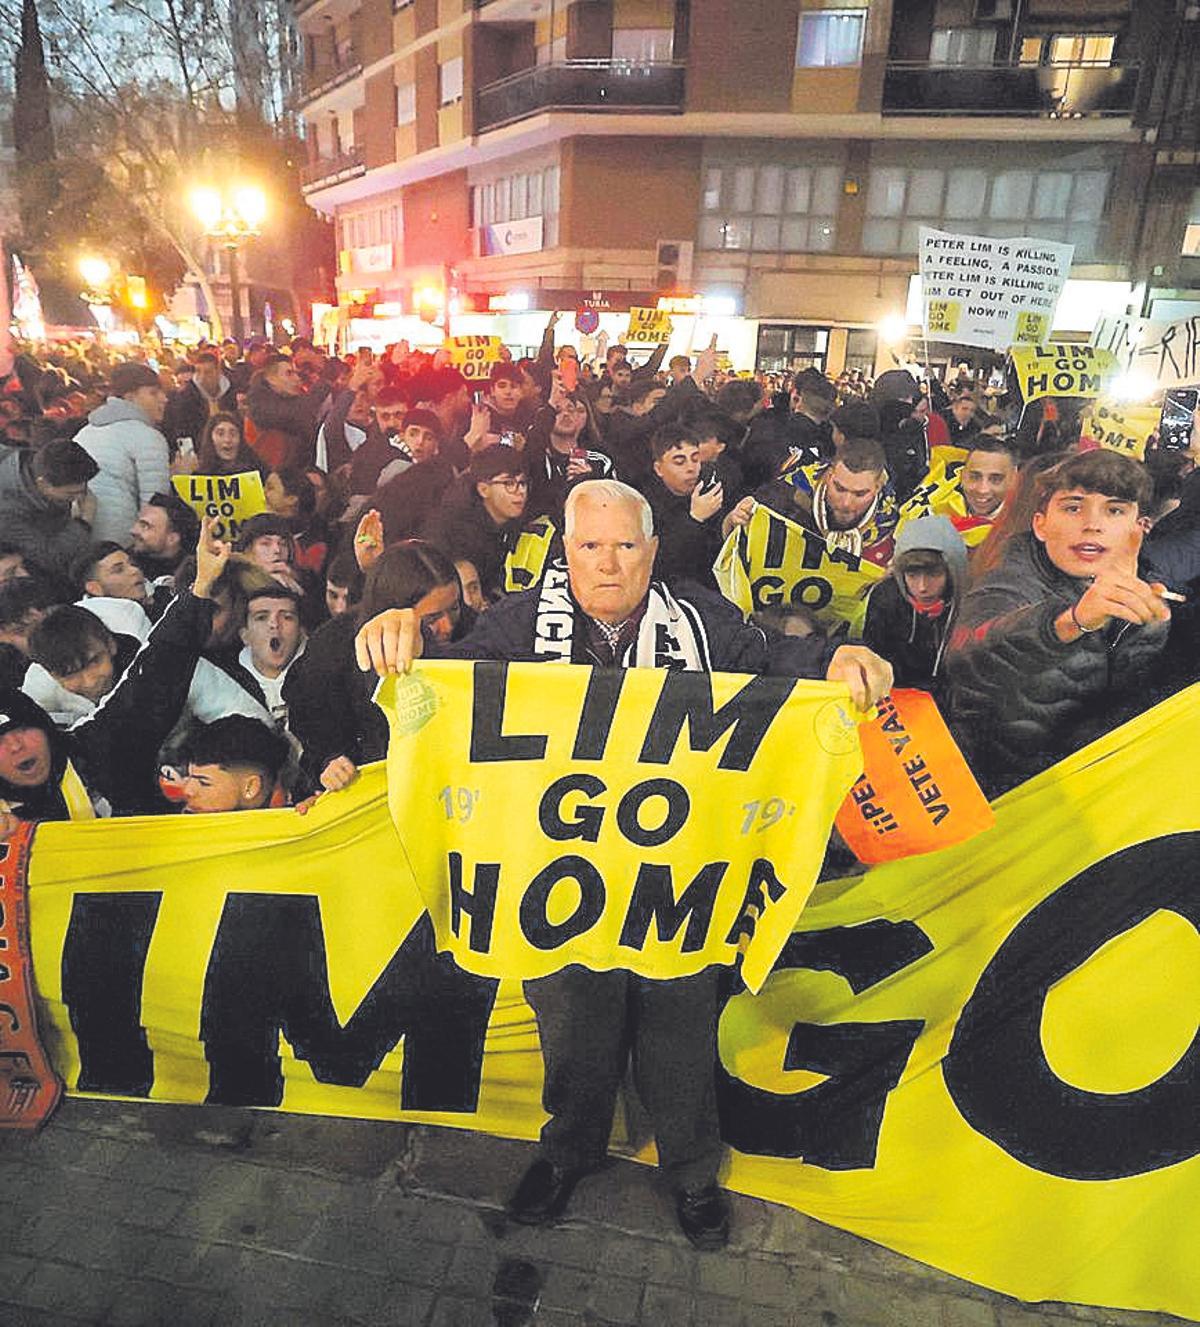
473 356
1122 428
524 566
987 1059
700 842
773 561
939 494
648 326
1062 368
229 500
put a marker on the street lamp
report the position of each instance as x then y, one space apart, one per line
231 219
97 276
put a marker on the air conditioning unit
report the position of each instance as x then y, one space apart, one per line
993 11
673 261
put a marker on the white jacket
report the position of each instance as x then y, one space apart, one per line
134 465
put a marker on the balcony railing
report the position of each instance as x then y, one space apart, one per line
582 85
1067 91
332 170
330 79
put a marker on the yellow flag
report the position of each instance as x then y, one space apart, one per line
228 500
1122 428
774 562
649 819
523 567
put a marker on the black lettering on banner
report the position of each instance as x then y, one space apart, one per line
754 903
479 904
599 709
103 967
488 743
686 697
834 1124
800 595
588 819
996 1069
679 804
776 543
268 975
653 900
766 590
814 551
537 928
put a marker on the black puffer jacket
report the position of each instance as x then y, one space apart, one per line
1019 698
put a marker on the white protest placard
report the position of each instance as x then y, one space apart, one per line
1166 354
979 291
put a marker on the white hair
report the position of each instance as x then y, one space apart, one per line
606 490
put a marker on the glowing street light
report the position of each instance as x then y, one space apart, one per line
97 272
231 219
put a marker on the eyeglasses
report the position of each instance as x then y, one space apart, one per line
513 485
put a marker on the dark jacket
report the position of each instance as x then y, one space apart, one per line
507 631
687 548
188 411
44 531
115 748
774 434
1019 698
405 503
285 427
372 458
461 528
627 436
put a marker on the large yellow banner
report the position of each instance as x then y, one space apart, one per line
773 562
649 819
987 1058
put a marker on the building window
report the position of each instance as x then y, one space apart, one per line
962 46
771 208
860 349
643 45
1094 48
831 38
450 81
406 104
515 197
1050 204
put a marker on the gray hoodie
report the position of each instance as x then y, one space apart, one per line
134 465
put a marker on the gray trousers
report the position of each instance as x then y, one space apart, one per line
589 1023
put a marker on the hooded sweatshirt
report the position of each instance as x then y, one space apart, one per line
913 638
134 465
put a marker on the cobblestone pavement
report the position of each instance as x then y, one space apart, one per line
135 1215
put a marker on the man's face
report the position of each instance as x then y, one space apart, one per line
622 375
337 598
422 443
119 577
390 417
272 552
472 590
569 420
1085 533
648 402
95 679
211 788
208 376
12 567
273 633
151 401
284 379
679 469
609 559
849 495
17 633
61 495
926 584
230 354
963 410
25 757
152 533
504 497
987 480
506 395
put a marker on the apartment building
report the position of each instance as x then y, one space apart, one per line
764 164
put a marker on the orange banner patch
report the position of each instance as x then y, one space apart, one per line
29 1087
917 794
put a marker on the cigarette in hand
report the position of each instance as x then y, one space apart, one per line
1171 597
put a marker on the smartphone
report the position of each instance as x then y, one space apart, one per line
708 477
1178 419
185 447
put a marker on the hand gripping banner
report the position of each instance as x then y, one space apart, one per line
649 819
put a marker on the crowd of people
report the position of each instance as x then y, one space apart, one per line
1040 590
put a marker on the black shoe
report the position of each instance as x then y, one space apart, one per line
704 1217
543 1193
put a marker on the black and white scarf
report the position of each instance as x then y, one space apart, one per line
670 634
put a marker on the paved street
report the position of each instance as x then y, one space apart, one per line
134 1215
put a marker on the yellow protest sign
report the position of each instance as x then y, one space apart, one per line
229 500
648 326
1062 368
1122 428
473 356
1031 328
700 842
943 315
1015 1017
773 562
523 567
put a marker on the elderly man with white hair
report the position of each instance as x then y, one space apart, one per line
603 607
